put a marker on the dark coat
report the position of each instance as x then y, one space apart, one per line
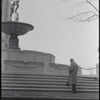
73 70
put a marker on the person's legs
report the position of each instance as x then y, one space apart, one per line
73 88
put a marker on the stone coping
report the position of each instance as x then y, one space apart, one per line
28 51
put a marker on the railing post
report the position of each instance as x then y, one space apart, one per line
97 70
79 71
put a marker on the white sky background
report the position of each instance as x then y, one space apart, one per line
64 39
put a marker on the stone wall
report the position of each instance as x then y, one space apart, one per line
56 69
26 55
31 67
22 67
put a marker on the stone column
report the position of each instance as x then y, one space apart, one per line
6 10
14 41
5 17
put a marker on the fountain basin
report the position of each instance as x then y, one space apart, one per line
16 28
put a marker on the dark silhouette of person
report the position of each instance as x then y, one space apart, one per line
72 78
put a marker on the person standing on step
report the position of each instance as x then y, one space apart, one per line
72 78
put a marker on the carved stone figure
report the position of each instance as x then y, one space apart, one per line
14 7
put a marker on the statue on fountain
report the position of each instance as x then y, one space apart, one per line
14 7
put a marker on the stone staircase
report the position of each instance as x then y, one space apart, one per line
39 86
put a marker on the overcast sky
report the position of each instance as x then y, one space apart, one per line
64 39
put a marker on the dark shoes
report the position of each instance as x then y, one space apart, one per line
73 88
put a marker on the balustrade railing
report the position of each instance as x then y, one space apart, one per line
44 67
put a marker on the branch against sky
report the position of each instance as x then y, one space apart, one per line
84 16
63 1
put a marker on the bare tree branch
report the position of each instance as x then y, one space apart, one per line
81 16
63 1
80 3
84 16
87 19
92 5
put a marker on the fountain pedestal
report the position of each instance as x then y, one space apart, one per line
14 42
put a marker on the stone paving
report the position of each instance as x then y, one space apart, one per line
52 95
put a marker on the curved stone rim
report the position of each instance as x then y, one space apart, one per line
13 23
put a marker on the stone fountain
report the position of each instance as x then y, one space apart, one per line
15 28
15 60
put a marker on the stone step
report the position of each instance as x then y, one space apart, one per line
46 89
47 76
46 80
28 85
46 83
47 86
39 77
